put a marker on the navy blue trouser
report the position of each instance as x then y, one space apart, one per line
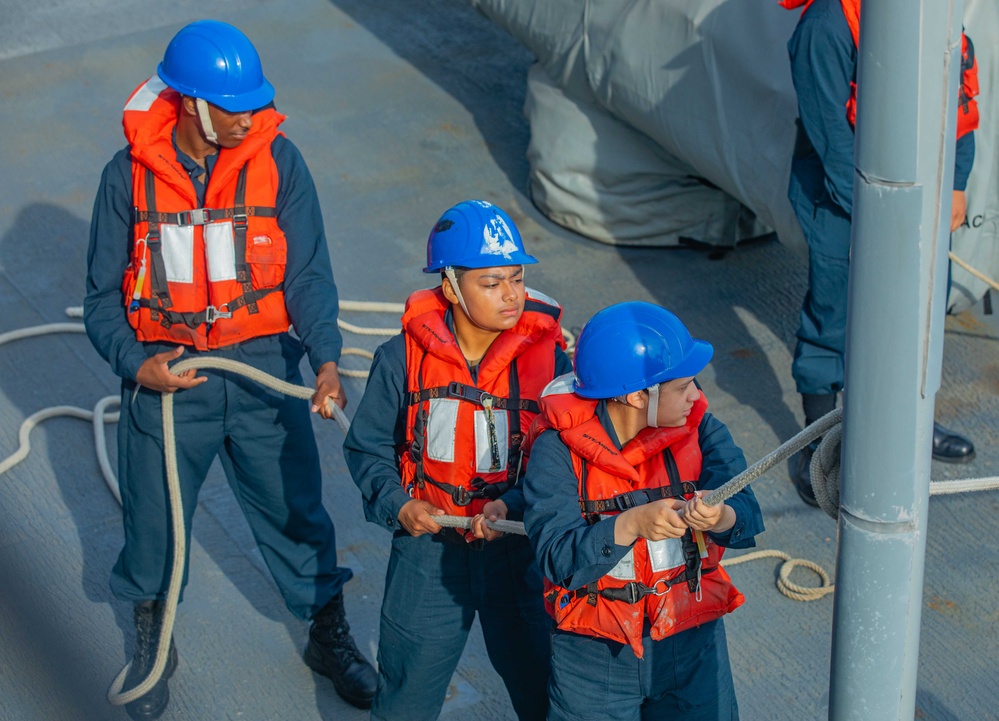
686 677
265 443
818 357
433 590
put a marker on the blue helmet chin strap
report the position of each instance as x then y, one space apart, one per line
652 412
652 416
206 121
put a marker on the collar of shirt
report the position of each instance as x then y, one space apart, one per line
199 176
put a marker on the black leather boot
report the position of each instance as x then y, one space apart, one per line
801 475
951 447
815 406
148 622
332 652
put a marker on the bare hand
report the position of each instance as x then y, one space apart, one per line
417 517
653 521
493 511
958 209
701 517
328 387
154 373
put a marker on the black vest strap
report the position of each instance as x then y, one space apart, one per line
159 290
630 499
473 395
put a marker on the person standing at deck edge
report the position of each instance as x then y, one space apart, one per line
207 236
823 53
439 431
621 454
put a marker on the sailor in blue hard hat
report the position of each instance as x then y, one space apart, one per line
621 453
210 222
439 432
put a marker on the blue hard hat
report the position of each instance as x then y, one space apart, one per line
475 234
214 61
632 346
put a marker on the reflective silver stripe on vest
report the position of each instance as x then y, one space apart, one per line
178 252
442 428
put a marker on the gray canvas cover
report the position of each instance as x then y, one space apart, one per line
657 120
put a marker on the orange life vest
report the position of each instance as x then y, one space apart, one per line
463 437
967 108
676 583
202 276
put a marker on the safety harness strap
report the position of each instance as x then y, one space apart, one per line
454 389
159 290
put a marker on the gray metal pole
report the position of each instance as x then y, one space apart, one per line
908 64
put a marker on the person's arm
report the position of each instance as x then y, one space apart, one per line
107 256
569 551
310 293
376 431
823 64
514 498
964 159
721 461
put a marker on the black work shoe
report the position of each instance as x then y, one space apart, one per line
332 652
148 621
801 475
951 447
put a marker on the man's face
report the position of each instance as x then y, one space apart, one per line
231 128
676 398
494 296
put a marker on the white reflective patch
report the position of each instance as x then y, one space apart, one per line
442 425
220 251
146 95
539 296
483 455
625 568
561 385
665 554
177 248
497 238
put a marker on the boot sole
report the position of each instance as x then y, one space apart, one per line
313 659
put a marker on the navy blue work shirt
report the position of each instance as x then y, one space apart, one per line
573 553
310 294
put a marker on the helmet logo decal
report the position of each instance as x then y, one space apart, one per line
497 238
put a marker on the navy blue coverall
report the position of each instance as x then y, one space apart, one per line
823 64
684 677
436 583
263 439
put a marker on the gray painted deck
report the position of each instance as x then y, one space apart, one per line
401 109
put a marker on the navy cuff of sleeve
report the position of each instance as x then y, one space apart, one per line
386 511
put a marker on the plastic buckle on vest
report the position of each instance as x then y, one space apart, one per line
212 314
239 220
454 390
197 216
624 501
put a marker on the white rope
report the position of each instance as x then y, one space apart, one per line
974 271
115 695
